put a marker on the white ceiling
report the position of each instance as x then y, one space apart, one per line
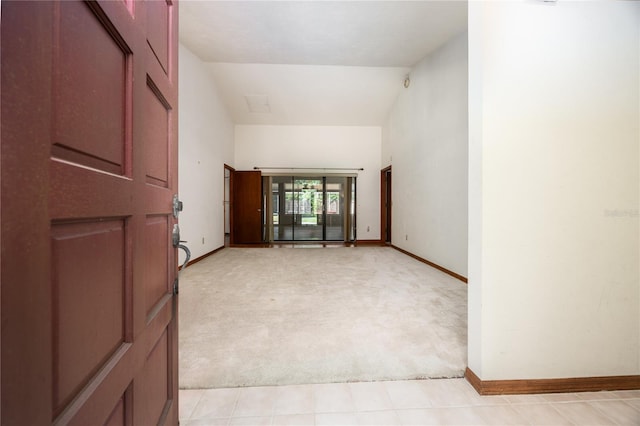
317 62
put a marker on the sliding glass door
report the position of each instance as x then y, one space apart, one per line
310 208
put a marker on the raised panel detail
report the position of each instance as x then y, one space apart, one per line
158 30
90 91
155 380
156 141
88 268
156 282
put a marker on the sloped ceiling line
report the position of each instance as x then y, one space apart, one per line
317 62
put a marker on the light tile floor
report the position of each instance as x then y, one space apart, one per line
423 402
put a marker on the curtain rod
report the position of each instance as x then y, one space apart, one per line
307 168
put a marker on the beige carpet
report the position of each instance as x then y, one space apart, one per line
259 316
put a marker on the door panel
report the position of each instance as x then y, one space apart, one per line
156 150
156 281
89 132
158 35
155 381
89 167
88 262
247 207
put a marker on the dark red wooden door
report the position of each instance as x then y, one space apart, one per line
247 207
88 172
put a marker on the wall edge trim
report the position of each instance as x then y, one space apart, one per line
433 265
565 385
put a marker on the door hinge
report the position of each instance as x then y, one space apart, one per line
176 286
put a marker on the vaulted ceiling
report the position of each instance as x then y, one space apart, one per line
315 62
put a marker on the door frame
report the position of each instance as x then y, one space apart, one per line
229 201
348 195
385 205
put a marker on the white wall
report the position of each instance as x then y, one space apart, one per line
554 189
426 142
206 144
320 147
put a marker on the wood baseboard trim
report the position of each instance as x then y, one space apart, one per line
204 256
531 386
370 243
434 265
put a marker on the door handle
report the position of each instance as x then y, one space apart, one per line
175 235
177 242
187 252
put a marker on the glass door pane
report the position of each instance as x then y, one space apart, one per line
282 208
308 202
335 208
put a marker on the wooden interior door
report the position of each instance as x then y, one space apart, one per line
247 207
88 172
